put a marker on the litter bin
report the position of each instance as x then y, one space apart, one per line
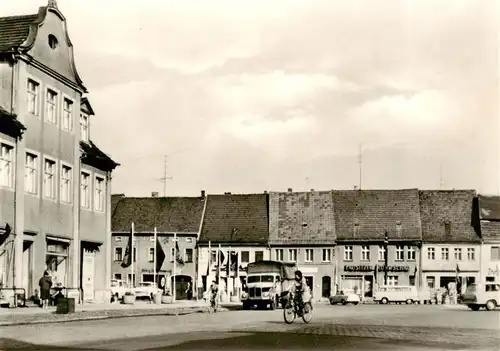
65 306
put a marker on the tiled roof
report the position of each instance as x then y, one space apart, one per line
490 231
115 199
301 218
368 214
489 207
236 219
447 215
169 215
14 31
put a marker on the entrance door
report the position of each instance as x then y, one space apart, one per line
309 282
326 287
27 271
181 285
88 274
368 286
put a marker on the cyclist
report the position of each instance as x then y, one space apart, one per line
298 289
214 292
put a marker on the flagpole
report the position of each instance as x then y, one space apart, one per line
132 257
175 265
209 262
154 258
228 270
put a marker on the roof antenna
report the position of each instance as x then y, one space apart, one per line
52 3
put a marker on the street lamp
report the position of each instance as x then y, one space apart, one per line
386 258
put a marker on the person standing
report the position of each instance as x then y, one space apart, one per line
45 284
189 291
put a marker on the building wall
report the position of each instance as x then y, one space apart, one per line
143 267
5 85
361 273
437 271
490 265
319 273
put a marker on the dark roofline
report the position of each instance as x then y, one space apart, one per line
85 101
93 156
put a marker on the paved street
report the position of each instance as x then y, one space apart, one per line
364 327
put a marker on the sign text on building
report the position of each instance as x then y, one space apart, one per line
365 268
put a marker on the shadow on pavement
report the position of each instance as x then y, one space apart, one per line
12 344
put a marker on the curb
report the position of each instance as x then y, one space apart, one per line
106 314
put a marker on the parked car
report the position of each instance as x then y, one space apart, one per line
482 295
345 297
118 289
146 290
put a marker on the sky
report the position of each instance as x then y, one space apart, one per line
246 96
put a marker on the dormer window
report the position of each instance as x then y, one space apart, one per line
84 126
53 43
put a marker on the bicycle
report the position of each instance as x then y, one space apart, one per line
213 304
292 310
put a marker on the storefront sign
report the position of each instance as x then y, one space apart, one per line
365 268
148 270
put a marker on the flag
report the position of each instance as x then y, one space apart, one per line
375 270
178 256
4 233
458 269
160 255
209 260
228 268
127 258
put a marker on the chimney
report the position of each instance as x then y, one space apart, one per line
265 191
356 187
312 190
154 194
227 193
203 193
290 190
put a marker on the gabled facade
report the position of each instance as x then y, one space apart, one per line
378 238
451 244
235 232
177 221
58 225
489 217
302 230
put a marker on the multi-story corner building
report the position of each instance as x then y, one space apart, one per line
489 216
378 238
302 230
54 181
177 221
451 244
234 233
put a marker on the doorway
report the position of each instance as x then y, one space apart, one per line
309 282
88 274
27 268
326 286
181 285
368 286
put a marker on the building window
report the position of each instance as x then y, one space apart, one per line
412 280
67 122
431 253
471 254
49 179
445 254
99 194
381 253
309 255
33 88
6 165
30 174
151 254
292 255
347 253
148 278
51 111
117 276
411 253
56 260
279 254
365 253
118 254
84 127
327 255
392 280
66 183
259 256
495 253
85 190
431 282
245 256
400 253
118 239
189 255
134 254
189 240
458 254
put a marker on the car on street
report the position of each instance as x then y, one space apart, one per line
146 290
345 297
482 295
118 289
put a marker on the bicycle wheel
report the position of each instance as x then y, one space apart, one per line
289 313
307 312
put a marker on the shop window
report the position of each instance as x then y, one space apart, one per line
412 280
392 280
148 278
117 276
56 261
259 256
431 282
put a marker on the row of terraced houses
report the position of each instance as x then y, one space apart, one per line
335 237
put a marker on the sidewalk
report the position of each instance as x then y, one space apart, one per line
36 315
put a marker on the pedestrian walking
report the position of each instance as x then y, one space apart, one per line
45 284
189 291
